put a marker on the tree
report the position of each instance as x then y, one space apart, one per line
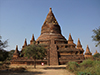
3 44
96 36
96 56
10 54
34 51
3 53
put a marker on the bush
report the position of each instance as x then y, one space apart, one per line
87 63
82 73
96 56
87 67
72 66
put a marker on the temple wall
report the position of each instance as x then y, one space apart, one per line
27 62
44 42
63 59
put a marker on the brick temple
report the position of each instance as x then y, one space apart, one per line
59 49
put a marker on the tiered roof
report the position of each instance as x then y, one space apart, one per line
50 29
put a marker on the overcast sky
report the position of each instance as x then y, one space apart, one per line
19 19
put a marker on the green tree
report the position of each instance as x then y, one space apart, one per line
3 53
10 54
96 56
96 36
34 51
3 44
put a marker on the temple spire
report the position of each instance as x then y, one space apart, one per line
16 53
88 54
50 24
78 43
25 43
79 46
50 10
32 40
87 50
70 40
95 52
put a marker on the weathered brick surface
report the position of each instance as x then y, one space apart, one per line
59 50
53 54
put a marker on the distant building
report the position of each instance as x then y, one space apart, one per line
95 52
59 49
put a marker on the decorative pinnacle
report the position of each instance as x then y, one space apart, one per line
16 47
70 37
33 39
87 50
25 43
96 51
50 9
16 51
78 43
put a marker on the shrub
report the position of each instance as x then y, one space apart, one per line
87 67
96 56
87 63
83 73
72 66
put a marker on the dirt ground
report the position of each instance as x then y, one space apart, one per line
42 70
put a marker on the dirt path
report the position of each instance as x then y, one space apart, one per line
53 72
43 70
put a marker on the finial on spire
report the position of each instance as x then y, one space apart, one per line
78 39
50 9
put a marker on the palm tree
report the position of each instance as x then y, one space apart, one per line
96 36
34 51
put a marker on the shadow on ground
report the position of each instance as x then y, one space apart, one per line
20 73
54 68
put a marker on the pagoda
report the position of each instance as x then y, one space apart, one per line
59 49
